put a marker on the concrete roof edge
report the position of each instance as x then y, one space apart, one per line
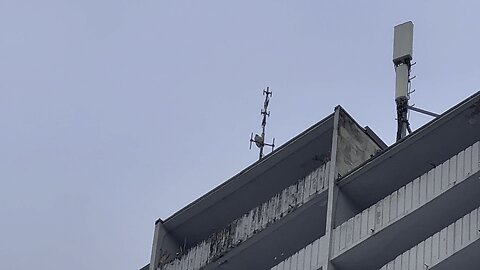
410 139
369 132
277 153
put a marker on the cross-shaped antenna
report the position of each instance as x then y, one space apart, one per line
259 140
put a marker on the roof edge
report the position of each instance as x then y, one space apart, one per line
256 165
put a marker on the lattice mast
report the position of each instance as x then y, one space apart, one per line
259 140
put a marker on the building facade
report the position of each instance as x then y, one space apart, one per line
336 197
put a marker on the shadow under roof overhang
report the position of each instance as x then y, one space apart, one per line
253 186
430 145
279 240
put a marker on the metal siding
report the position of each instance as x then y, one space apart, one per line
401 202
336 240
445 175
453 171
416 194
466 229
300 259
460 166
473 225
441 245
450 239
423 189
427 254
430 184
408 197
405 260
386 211
378 217
343 234
438 180
468 162
357 227
364 225
458 235
398 263
475 157
420 256
308 257
349 233
315 252
412 259
435 247
393 206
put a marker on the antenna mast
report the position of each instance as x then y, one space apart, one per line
259 140
402 59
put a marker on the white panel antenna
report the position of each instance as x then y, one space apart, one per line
402 60
402 57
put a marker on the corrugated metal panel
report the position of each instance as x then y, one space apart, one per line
408 198
311 257
253 222
439 246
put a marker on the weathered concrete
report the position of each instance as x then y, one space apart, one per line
351 146
164 247
259 182
354 146
332 193
251 223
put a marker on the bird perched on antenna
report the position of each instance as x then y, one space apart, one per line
259 140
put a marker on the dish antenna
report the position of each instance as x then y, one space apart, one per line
259 140
402 60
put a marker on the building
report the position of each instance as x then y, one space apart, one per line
336 197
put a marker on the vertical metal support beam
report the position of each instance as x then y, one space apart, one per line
402 118
332 193
402 72
164 246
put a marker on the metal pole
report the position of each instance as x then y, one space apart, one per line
423 111
265 113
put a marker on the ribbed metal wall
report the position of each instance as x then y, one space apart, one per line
439 246
311 257
406 199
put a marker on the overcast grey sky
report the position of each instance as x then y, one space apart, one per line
114 113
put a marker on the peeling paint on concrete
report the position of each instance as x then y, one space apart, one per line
252 222
354 146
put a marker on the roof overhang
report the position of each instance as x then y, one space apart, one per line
417 153
252 186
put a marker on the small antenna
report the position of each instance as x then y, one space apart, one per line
259 140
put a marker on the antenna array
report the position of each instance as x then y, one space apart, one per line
259 140
402 60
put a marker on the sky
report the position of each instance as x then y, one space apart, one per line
115 113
